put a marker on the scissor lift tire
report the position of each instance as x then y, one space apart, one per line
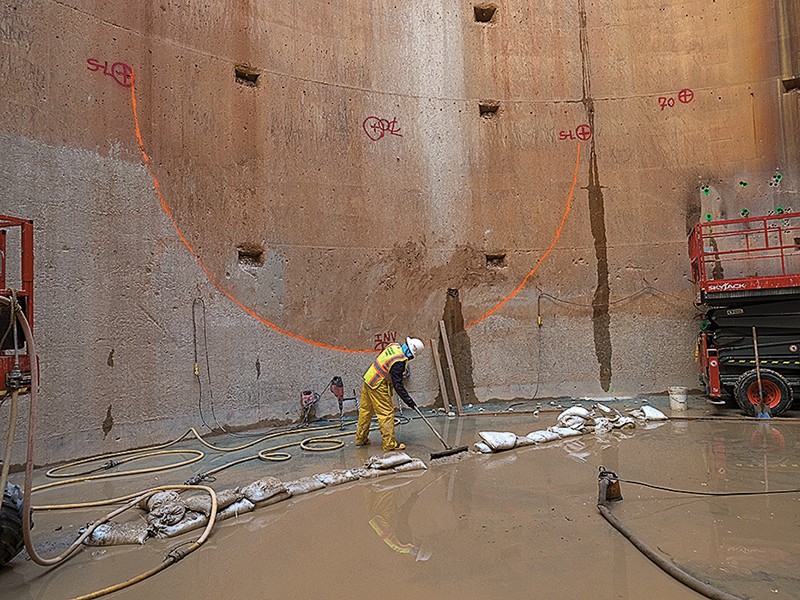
777 392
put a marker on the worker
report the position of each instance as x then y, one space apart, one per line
385 374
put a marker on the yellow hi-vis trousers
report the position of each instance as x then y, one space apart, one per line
378 402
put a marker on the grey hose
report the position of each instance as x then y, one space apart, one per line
665 565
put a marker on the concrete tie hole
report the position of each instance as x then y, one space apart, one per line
251 256
484 13
246 75
496 261
791 85
488 110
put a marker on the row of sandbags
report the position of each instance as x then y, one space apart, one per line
170 513
572 422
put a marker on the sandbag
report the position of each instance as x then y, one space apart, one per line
113 534
201 503
367 473
336 477
649 413
572 422
168 513
234 510
191 521
542 436
482 448
564 432
498 440
624 423
388 460
304 485
158 499
602 425
608 411
279 497
575 411
263 489
415 464
523 441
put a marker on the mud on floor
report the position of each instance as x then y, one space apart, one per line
517 524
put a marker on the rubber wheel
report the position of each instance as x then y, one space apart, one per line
777 392
11 541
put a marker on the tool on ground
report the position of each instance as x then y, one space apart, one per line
448 450
763 410
308 399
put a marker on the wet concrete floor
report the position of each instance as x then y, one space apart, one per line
522 523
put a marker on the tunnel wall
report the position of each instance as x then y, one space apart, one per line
302 182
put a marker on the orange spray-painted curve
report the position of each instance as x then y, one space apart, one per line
200 262
269 323
500 304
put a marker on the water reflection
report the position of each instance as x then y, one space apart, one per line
389 511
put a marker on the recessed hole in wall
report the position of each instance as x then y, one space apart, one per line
250 255
797 244
791 85
246 75
484 13
488 110
495 261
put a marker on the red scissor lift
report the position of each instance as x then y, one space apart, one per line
16 294
747 276
15 364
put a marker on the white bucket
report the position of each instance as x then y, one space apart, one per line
677 398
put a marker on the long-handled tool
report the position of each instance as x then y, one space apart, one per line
763 410
448 450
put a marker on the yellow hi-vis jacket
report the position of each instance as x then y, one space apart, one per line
379 369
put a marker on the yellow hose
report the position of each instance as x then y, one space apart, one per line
173 556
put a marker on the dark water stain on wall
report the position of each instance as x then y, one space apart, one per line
693 210
460 348
601 319
108 423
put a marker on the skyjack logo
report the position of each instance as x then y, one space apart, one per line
725 287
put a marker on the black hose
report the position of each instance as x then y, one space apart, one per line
660 561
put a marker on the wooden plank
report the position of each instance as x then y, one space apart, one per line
452 368
440 373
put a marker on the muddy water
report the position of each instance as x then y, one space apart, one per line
520 524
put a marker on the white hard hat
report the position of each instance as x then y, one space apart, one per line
414 345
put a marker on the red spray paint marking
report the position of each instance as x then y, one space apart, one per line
119 71
581 132
376 128
384 339
272 325
684 96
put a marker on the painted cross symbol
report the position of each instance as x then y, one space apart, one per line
686 95
584 132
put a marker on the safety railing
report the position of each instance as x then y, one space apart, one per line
750 253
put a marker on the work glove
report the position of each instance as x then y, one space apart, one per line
410 403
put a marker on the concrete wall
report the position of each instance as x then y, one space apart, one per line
337 200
